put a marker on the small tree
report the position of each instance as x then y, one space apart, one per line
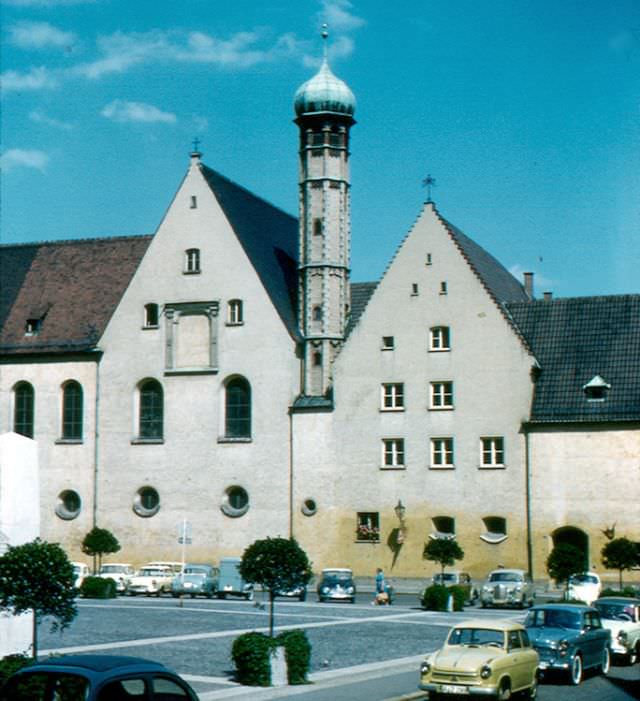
98 542
278 564
563 561
38 577
444 551
620 554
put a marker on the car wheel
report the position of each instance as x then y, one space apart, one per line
606 661
303 597
532 692
575 673
504 692
484 604
633 655
249 595
175 594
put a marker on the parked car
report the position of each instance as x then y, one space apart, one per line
120 572
151 580
458 579
585 586
230 580
487 658
299 593
96 678
569 639
622 617
80 571
175 567
336 584
196 580
506 587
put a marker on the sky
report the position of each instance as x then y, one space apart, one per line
526 113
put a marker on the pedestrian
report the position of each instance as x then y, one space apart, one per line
382 596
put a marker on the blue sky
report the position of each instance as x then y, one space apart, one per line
526 113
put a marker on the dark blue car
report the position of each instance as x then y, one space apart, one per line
96 678
569 639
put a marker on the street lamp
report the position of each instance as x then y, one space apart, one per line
400 510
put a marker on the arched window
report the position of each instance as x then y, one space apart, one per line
443 527
317 313
234 312
151 410
238 408
72 411
23 409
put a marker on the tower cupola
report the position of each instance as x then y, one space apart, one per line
324 93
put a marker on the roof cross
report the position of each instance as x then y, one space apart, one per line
429 183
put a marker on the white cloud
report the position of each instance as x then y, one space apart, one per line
39 35
337 14
123 111
41 118
24 158
36 79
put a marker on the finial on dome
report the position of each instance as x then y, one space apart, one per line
324 33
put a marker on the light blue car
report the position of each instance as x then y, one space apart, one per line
230 582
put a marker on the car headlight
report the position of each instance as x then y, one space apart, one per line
325 590
153 582
350 590
485 672
425 667
563 646
623 637
486 588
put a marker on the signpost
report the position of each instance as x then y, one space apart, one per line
184 537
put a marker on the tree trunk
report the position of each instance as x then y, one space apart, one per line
272 599
34 644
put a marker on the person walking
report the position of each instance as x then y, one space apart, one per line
382 596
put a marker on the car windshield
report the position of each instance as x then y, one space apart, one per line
583 579
153 572
337 577
447 577
505 577
196 570
615 611
476 636
553 618
33 687
111 569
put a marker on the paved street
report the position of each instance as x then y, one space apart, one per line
358 651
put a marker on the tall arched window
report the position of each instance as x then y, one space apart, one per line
238 408
23 409
151 410
72 410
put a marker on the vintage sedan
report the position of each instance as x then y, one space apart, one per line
80 573
569 639
621 616
336 584
486 658
504 587
96 678
151 580
458 579
120 572
585 586
196 580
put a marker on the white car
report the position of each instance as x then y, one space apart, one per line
621 616
120 572
151 580
585 586
80 571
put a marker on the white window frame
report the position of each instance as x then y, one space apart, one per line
492 451
235 312
441 395
439 339
392 396
442 453
393 453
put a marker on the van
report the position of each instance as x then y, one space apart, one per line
230 581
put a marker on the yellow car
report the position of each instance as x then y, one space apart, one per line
484 658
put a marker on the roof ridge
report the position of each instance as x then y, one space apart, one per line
83 240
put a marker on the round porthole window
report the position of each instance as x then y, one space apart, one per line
235 502
309 507
146 502
69 505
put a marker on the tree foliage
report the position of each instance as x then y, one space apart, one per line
563 561
99 542
444 551
38 577
620 554
278 565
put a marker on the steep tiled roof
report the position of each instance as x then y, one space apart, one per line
269 237
576 339
72 286
360 295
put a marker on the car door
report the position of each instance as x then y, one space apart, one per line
593 638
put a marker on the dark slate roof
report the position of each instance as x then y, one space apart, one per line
360 295
73 286
269 237
576 339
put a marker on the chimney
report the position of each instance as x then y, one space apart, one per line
547 296
528 284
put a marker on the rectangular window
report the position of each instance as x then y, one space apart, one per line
392 396
393 452
192 260
368 526
234 313
388 343
414 289
492 452
441 395
32 327
439 338
442 452
443 288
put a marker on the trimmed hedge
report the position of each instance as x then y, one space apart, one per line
251 655
11 664
98 588
627 592
436 597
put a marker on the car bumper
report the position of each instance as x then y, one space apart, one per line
459 689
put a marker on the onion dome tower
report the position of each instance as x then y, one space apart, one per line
324 107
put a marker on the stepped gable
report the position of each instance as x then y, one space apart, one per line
575 340
268 236
70 288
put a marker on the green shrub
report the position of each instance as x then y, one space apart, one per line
435 597
627 592
250 653
459 597
11 664
298 654
98 588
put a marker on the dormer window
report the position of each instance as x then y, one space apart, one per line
192 261
32 327
596 389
